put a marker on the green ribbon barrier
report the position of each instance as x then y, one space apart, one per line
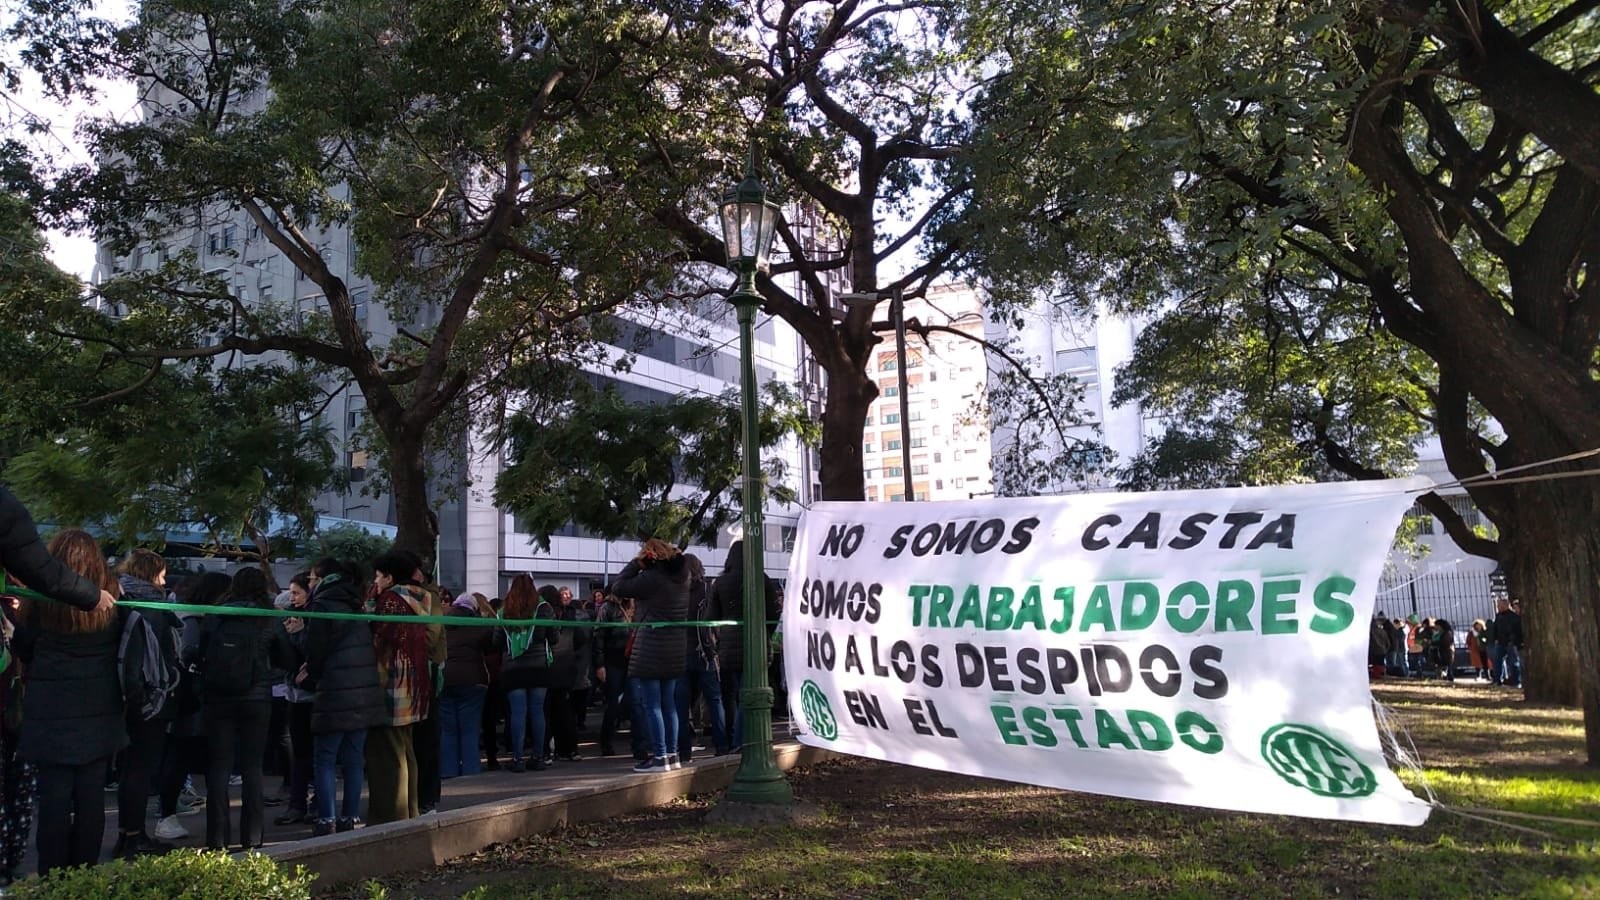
459 621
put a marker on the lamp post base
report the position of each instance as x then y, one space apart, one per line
759 815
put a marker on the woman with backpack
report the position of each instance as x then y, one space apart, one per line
341 672
658 581
403 657
526 670
148 654
72 721
235 656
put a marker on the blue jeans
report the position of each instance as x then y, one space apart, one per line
709 684
1505 664
526 704
348 751
460 719
657 699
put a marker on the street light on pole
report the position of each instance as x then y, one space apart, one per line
759 788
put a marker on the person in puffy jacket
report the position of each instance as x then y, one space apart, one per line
727 603
144 577
24 556
72 719
236 655
466 682
658 581
341 671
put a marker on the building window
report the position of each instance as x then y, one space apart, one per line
919 469
958 482
891 418
869 420
913 362
897 498
891 391
887 365
938 484
918 442
938 457
358 465
933 375
892 444
866 448
955 455
893 472
935 431
922 495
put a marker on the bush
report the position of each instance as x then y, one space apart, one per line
185 874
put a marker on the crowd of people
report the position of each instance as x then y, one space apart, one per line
1416 647
95 692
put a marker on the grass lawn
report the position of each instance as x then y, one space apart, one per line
896 831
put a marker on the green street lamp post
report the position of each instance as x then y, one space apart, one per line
748 222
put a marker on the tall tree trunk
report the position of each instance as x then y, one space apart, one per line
1554 569
418 527
850 395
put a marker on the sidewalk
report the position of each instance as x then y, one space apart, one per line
474 812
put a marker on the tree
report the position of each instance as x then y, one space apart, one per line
1428 161
860 110
452 156
347 541
623 470
142 450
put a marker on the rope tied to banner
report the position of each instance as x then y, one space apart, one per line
291 613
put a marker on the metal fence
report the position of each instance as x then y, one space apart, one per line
1457 597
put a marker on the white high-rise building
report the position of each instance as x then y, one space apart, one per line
948 453
480 546
1089 348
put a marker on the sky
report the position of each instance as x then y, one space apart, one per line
62 147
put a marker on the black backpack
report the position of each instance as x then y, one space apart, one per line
157 670
229 657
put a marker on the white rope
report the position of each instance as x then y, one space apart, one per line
1497 475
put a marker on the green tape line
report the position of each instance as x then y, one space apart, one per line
460 621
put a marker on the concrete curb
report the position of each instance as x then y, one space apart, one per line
434 839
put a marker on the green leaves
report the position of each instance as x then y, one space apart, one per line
625 470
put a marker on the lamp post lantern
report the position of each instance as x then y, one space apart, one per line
748 222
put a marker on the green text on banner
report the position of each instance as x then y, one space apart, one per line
1198 647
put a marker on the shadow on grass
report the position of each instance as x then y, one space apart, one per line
896 831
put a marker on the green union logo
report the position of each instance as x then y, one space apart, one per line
818 712
1308 758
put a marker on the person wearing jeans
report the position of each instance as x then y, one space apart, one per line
727 603
527 727
466 684
658 581
701 678
339 752
341 671
526 670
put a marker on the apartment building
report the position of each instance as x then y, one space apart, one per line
944 446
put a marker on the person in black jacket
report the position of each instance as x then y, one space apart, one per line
143 577
341 670
700 679
466 682
23 555
658 581
1505 654
526 672
570 651
727 603
237 706
611 673
72 720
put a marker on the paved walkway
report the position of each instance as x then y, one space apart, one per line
591 772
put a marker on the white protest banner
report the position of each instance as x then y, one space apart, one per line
1198 647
